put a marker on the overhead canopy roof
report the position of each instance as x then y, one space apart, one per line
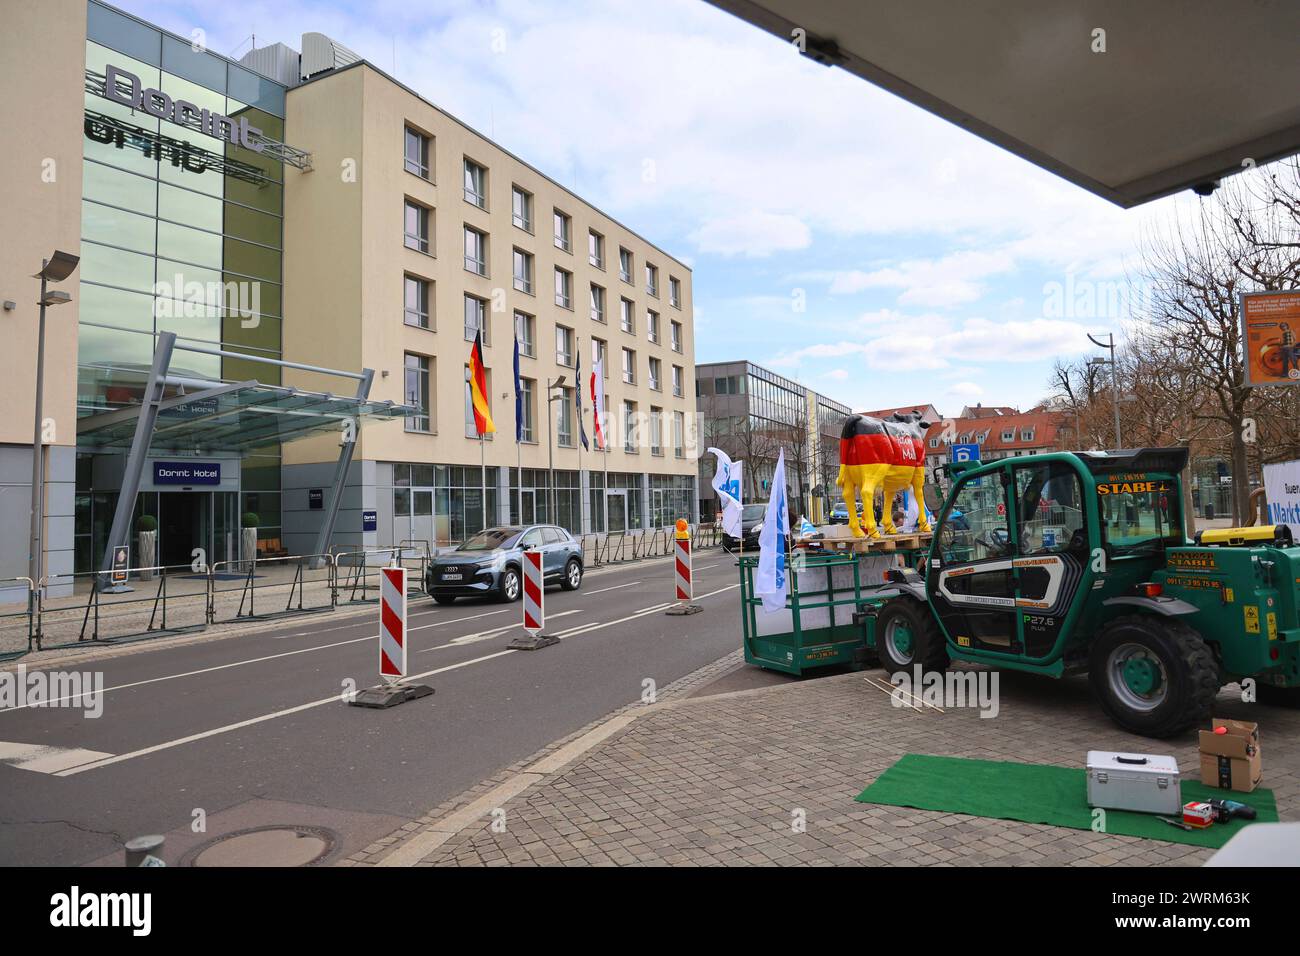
1186 92
236 416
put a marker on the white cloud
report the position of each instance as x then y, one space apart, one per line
836 374
965 390
947 281
753 234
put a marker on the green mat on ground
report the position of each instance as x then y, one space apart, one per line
1034 793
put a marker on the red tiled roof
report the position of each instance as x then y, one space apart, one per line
886 412
1044 424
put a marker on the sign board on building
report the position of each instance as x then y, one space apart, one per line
369 521
1270 329
964 453
315 498
187 472
121 561
1282 488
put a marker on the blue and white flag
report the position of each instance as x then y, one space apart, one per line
727 483
519 398
770 583
806 528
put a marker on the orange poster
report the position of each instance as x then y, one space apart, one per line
1270 329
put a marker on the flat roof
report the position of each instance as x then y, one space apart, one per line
1185 93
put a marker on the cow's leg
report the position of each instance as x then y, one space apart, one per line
875 474
918 490
893 483
850 479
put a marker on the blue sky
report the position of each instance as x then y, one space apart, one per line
837 234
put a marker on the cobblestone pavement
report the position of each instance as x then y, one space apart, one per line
719 780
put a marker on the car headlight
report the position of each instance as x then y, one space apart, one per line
758 528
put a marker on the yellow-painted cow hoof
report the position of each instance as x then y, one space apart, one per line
858 532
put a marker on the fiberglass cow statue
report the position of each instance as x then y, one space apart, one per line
882 453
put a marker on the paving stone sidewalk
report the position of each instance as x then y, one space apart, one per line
719 779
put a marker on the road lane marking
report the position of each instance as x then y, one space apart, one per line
587 628
489 634
253 721
653 607
614 588
43 758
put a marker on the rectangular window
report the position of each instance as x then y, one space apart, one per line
416 392
656 382
471 431
475 184
527 391
476 319
563 231
564 418
417 153
677 381
629 427
524 327
629 366
652 325
475 251
679 435
627 315
625 264
675 333
675 292
596 249
522 209
417 227
563 288
417 302
652 279
564 353
656 435
523 271
597 303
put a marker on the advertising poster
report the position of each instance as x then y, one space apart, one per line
1282 487
1270 329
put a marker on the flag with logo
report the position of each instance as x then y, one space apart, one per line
727 483
577 397
770 582
598 401
478 392
519 398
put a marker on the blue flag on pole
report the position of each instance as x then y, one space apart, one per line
519 397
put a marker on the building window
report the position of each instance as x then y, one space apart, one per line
624 264
564 353
598 353
629 426
470 430
656 381
679 435
522 209
476 319
417 392
656 436
417 302
1009 435
417 227
563 288
597 303
564 418
475 184
677 381
652 325
596 249
627 315
629 366
1026 434
524 325
475 251
652 279
675 333
417 153
527 391
563 231
675 292
523 271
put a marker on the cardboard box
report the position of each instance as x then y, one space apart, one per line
1231 760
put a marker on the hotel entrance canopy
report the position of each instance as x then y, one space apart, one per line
234 417
1130 99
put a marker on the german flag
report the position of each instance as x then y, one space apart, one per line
478 388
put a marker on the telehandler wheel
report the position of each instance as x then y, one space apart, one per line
906 635
1153 675
1278 696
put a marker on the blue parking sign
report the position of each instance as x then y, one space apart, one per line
964 453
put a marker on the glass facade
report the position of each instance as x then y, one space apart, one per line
535 500
441 504
181 232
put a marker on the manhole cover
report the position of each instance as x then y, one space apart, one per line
265 846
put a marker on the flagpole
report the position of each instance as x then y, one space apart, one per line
482 471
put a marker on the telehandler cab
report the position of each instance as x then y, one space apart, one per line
1065 562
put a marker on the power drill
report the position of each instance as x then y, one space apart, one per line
1225 810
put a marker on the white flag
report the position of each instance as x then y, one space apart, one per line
770 583
727 483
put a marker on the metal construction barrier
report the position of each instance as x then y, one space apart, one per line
174 600
590 544
18 615
357 572
304 581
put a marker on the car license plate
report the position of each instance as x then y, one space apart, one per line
451 577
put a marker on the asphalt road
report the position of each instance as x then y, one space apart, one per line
251 730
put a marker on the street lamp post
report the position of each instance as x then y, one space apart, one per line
550 445
55 269
1114 378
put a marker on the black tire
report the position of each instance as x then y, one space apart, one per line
572 578
445 598
927 642
1278 696
1185 672
509 588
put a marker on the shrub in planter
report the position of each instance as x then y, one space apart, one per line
250 519
146 523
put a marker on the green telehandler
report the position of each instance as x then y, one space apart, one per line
1072 562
